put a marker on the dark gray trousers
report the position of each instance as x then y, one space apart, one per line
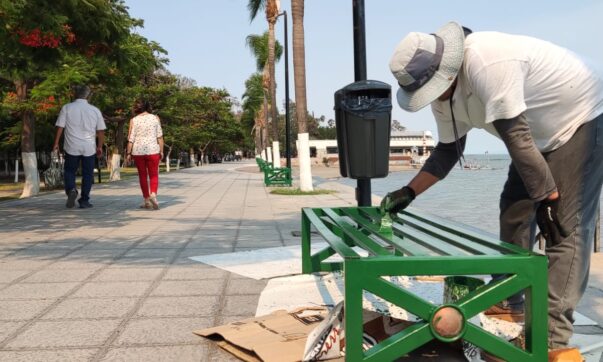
577 168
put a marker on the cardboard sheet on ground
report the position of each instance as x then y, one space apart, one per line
263 263
283 336
310 290
293 292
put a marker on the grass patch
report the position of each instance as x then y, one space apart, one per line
297 192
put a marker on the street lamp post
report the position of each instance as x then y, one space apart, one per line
287 120
363 186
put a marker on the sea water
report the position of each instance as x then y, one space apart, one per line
467 196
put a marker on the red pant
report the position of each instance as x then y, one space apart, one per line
148 165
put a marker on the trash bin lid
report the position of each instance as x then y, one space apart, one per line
366 85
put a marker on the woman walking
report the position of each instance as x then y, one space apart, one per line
145 145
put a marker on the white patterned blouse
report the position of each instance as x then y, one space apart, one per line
145 128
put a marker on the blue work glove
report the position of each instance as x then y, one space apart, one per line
397 200
548 222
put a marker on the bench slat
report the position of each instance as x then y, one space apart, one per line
406 248
356 235
469 246
464 232
334 241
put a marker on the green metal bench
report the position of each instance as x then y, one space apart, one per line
274 176
421 245
262 164
277 176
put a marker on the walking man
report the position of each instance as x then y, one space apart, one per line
546 104
83 126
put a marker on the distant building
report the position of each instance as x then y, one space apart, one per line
403 146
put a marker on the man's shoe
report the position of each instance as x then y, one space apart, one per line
85 204
71 196
506 312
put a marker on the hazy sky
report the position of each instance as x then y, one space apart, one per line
206 41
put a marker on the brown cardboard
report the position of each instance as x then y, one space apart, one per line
281 336
277 337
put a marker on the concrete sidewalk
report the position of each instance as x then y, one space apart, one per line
116 283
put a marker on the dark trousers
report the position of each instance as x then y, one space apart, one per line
72 163
577 168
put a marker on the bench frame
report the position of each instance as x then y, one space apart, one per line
274 176
423 244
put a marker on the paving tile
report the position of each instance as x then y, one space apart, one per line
112 289
36 290
162 242
162 330
99 255
218 246
56 245
150 253
7 328
43 255
46 334
87 308
242 305
22 309
188 287
48 356
53 276
22 264
201 306
7 276
245 286
109 244
128 274
76 264
156 262
194 272
193 353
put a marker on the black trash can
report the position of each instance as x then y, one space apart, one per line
363 122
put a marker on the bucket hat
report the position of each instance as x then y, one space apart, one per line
425 65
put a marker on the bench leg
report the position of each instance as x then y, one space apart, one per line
352 315
536 319
306 236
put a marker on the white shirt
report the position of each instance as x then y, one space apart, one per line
144 131
80 120
506 75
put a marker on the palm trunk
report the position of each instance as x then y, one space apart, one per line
258 139
273 106
299 70
28 145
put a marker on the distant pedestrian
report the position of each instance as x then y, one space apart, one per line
83 127
145 145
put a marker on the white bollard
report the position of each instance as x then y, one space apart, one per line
305 167
16 171
276 154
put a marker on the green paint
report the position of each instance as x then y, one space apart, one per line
422 244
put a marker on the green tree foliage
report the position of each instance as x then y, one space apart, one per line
258 45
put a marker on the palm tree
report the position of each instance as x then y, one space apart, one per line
299 70
271 8
253 108
259 46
